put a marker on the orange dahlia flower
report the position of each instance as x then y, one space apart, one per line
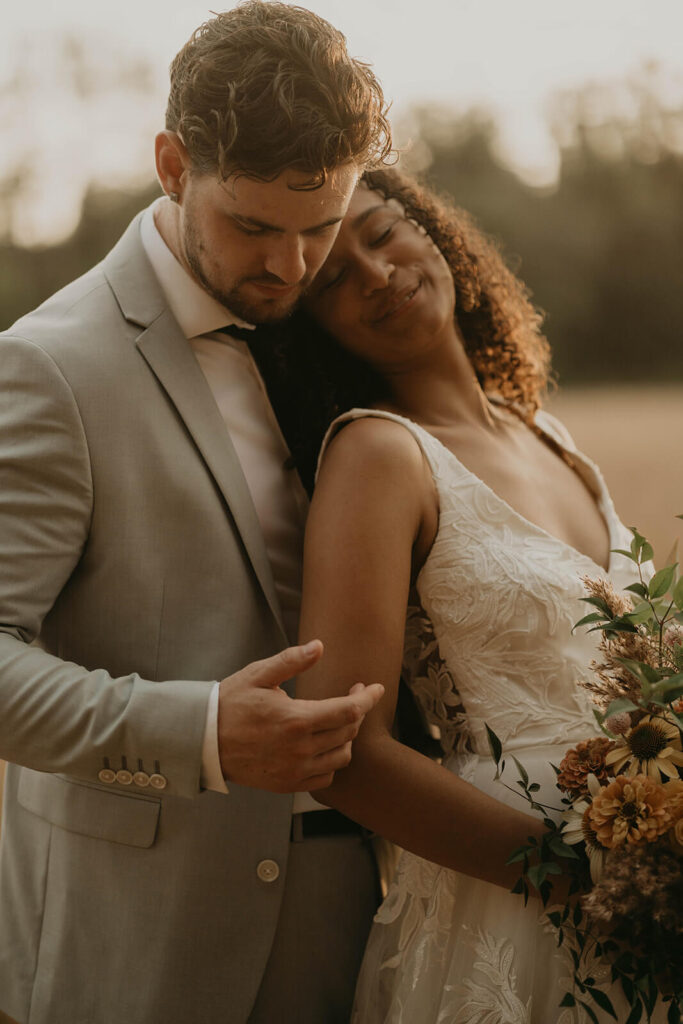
632 809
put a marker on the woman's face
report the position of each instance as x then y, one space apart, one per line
385 291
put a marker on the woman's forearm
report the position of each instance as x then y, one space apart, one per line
424 808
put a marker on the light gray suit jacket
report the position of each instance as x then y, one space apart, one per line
132 575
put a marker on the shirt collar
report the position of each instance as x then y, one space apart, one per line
196 311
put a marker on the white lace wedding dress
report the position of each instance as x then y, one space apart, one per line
490 642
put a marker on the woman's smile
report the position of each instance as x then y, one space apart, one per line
399 302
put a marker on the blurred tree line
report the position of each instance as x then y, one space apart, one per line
601 250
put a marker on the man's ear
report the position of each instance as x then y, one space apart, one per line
172 163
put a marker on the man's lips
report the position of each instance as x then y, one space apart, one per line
398 302
276 290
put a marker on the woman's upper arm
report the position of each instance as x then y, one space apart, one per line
374 500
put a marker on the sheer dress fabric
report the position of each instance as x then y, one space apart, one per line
488 640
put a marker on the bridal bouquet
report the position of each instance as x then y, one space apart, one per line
621 830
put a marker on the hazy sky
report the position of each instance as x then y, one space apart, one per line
506 54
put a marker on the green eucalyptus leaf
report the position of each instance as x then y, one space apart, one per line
568 1000
636 543
620 624
603 1001
636 1012
669 689
643 672
638 588
642 613
619 705
593 617
589 1010
600 719
674 1013
522 771
627 986
641 549
495 745
678 594
621 551
661 581
562 850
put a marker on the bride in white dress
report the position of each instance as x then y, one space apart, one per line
454 492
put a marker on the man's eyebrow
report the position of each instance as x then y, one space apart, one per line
263 225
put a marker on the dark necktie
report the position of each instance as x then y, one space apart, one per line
239 333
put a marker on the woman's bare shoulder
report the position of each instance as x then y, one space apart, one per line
374 444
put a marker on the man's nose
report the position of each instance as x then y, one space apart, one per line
285 260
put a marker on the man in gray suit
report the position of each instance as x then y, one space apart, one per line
152 867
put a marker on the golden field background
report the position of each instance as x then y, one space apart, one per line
635 435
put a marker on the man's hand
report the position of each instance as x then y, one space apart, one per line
270 741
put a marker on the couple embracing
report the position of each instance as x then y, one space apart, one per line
186 829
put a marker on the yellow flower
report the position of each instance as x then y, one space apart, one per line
578 829
652 746
629 810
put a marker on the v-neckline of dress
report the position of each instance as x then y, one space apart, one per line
583 464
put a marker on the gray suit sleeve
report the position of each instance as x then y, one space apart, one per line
57 716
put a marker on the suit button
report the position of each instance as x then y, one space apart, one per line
124 777
141 779
268 870
107 775
158 781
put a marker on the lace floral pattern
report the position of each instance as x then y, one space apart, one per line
488 641
431 681
492 998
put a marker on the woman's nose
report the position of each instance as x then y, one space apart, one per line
377 274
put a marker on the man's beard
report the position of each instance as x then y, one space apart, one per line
251 311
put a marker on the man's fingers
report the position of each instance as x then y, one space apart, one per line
270 672
316 782
327 764
337 712
369 697
330 739
332 760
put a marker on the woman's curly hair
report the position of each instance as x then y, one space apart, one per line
311 379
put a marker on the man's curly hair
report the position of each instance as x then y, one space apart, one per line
311 379
268 86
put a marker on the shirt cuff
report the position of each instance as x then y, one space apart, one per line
212 776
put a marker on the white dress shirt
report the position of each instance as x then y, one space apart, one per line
279 498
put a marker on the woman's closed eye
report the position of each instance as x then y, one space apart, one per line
334 280
381 237
382 232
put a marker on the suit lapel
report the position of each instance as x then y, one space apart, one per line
171 359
